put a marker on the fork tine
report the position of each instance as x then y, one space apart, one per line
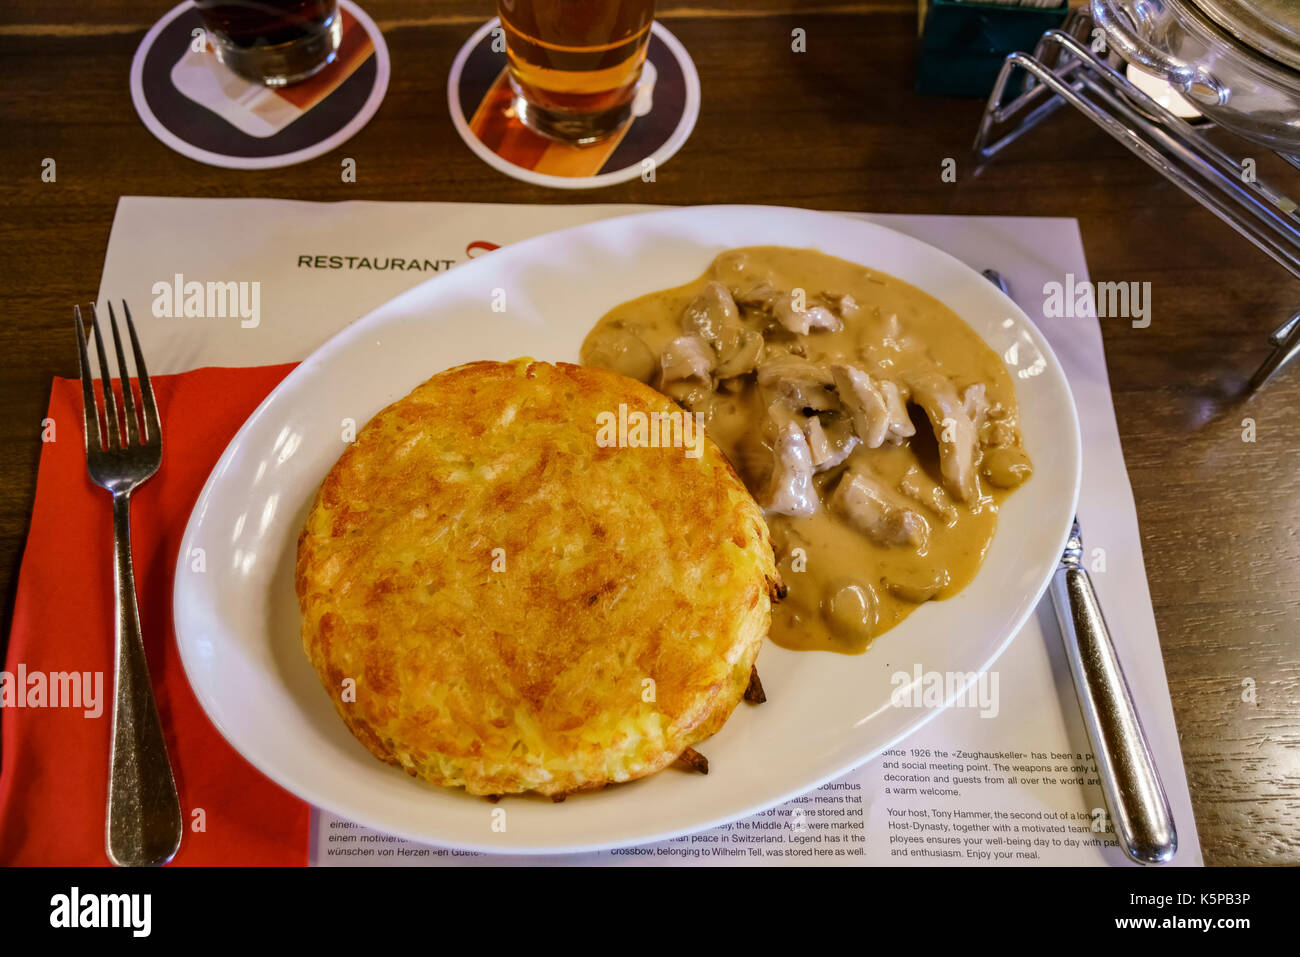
128 396
89 408
105 379
151 426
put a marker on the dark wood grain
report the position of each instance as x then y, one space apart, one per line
835 128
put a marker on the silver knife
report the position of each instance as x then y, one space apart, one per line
1135 795
1130 783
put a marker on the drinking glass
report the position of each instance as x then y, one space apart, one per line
575 64
274 42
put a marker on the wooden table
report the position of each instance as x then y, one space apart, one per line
837 127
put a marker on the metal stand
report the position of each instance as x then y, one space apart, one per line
1064 69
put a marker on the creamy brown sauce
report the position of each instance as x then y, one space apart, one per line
852 570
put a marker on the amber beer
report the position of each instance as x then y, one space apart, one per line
574 64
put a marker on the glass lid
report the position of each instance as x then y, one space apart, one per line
1270 26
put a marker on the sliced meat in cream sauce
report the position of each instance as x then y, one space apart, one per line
876 429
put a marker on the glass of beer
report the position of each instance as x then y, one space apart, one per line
575 64
274 42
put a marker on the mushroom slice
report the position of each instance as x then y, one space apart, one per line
876 512
802 321
851 608
760 295
917 588
738 353
900 423
734 263
800 383
621 351
825 453
686 357
1007 467
864 402
958 441
790 491
711 314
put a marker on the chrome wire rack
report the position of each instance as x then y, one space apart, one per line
1070 65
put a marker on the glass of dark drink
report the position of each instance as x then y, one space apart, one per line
274 42
575 64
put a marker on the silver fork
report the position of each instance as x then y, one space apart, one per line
143 825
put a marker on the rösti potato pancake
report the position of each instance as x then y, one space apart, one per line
521 604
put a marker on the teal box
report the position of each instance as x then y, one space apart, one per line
963 45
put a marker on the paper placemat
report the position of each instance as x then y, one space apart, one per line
1003 781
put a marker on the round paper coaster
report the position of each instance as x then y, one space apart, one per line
667 105
199 108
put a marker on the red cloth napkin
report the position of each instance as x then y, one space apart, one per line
54 766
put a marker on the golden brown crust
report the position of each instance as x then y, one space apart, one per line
506 593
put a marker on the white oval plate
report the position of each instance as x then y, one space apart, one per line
237 624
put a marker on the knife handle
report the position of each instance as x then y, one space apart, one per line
1130 783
